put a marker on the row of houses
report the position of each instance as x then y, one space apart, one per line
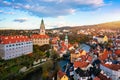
98 64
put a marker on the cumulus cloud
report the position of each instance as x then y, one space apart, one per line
20 20
7 3
5 12
48 8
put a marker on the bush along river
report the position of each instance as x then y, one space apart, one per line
34 75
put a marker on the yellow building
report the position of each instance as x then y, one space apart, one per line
74 55
41 38
105 39
62 76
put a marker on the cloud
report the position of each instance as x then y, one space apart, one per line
20 20
7 3
1 11
50 8
4 12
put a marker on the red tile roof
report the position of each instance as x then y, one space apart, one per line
103 77
39 36
54 40
69 45
112 66
96 78
117 41
83 57
105 54
61 74
62 49
13 39
117 52
89 58
80 64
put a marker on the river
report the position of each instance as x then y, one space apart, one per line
85 47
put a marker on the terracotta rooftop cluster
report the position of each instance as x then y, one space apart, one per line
13 39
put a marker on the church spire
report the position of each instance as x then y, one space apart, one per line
42 28
66 40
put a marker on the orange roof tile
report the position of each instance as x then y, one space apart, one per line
105 54
80 64
112 66
96 78
61 74
117 52
13 39
103 77
39 36
83 57
117 41
62 49
69 45
54 42
89 58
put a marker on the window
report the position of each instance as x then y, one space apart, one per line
6 45
13 45
9 45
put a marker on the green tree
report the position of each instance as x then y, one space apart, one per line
44 47
47 54
54 55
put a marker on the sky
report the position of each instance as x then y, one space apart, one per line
27 14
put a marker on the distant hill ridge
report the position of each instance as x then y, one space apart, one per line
111 25
107 25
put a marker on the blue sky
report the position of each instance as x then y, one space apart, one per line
27 14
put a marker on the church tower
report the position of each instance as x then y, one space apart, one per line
42 28
66 40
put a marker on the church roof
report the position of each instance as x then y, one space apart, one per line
39 36
61 74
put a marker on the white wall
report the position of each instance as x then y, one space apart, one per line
112 73
14 50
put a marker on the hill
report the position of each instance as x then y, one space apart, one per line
108 25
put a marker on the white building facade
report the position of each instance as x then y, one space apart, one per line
115 75
117 43
15 46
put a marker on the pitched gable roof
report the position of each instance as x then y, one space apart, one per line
117 52
39 36
80 64
61 74
13 39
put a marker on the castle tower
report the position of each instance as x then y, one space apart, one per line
66 40
42 28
